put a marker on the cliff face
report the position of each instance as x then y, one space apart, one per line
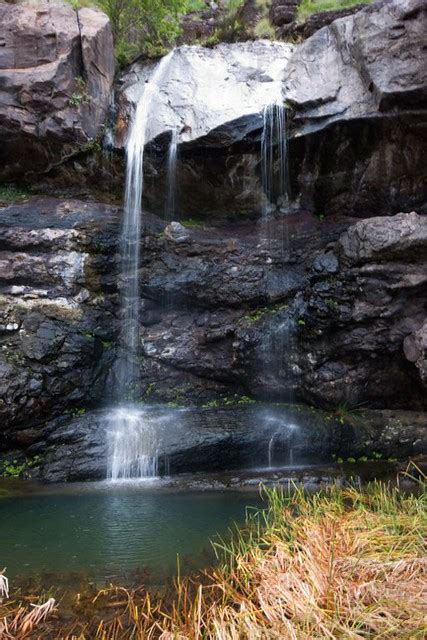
56 69
336 315
327 309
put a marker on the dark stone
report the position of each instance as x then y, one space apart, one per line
236 438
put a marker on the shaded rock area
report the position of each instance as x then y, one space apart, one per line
236 438
57 68
311 311
304 309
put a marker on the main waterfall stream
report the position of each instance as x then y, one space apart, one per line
132 444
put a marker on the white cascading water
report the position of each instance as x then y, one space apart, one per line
275 346
132 447
274 157
171 176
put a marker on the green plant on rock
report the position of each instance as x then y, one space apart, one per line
9 194
309 7
76 411
191 223
264 29
259 313
15 469
344 414
80 95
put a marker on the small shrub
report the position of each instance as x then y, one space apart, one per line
264 29
80 96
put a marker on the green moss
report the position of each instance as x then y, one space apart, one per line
259 313
191 223
229 401
10 194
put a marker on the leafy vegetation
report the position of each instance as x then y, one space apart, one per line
142 27
308 7
80 96
9 194
340 563
18 468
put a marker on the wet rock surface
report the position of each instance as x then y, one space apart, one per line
57 68
55 327
257 436
316 311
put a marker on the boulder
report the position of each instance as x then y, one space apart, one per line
56 68
360 67
213 96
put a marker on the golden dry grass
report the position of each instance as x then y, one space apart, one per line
344 563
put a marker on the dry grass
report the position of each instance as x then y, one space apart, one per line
345 564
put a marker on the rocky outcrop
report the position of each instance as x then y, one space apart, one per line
55 327
233 438
303 309
212 96
356 96
355 93
300 308
56 68
321 318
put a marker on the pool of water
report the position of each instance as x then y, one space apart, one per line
106 532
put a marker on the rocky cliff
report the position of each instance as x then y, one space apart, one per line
356 98
57 69
325 305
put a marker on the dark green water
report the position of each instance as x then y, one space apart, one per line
107 532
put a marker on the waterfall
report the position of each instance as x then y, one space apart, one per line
171 176
131 234
274 240
131 444
274 157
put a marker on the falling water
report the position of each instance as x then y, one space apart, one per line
274 157
132 445
131 233
171 176
274 239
